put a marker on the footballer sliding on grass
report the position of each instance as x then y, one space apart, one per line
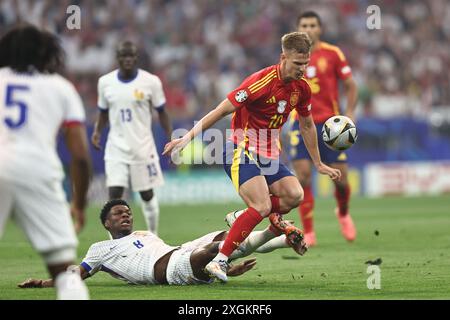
141 257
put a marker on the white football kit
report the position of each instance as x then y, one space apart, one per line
130 154
133 257
33 107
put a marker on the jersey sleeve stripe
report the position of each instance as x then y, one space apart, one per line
262 85
257 83
161 107
72 123
335 49
307 82
86 266
340 54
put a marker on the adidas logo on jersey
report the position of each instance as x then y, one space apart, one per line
271 100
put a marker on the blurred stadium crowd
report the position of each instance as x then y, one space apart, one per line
202 49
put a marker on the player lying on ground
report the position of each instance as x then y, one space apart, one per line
141 257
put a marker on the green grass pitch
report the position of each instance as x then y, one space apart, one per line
413 242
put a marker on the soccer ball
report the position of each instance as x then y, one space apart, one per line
339 133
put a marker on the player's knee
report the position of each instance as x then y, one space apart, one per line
264 208
303 177
211 250
305 180
294 197
146 195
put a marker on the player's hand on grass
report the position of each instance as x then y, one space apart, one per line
333 173
31 283
241 268
95 139
79 218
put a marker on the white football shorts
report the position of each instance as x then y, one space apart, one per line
42 212
179 269
141 177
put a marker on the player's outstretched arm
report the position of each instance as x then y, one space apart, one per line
39 283
241 268
309 134
222 110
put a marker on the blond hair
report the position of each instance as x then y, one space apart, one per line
296 41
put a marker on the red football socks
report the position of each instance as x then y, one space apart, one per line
306 210
275 204
240 230
342 196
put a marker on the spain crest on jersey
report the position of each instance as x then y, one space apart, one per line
294 98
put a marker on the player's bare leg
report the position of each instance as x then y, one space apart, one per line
289 192
342 195
282 242
280 234
254 241
150 209
201 257
258 241
303 171
255 194
286 195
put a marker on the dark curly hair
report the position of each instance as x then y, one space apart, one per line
108 206
309 14
25 48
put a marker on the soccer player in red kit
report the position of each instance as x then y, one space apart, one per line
260 106
326 67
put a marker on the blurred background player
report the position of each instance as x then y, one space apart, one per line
141 257
126 97
35 102
326 67
261 105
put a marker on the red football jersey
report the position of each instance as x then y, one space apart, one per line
326 67
263 103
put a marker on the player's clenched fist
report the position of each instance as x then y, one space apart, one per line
95 139
333 173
